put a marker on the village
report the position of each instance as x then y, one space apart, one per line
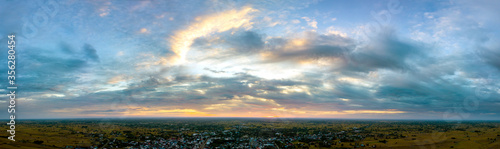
235 138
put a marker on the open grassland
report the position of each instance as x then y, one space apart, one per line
275 133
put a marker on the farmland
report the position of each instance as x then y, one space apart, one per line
252 133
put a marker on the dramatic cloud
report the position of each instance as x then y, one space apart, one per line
205 25
256 59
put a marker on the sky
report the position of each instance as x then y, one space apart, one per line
359 59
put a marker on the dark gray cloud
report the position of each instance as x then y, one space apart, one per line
247 41
387 52
238 43
42 69
90 52
214 71
317 46
490 56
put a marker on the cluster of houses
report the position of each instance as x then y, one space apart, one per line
232 138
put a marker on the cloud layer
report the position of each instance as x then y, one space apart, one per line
258 59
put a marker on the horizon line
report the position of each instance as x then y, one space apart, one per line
323 118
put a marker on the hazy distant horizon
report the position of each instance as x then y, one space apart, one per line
262 118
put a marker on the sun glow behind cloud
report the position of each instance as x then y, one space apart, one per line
206 25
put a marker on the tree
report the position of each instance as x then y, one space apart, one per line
38 141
